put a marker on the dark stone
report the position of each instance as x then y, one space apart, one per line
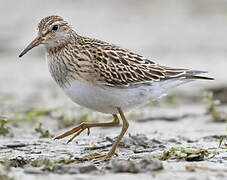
16 145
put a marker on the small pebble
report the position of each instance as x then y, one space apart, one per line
122 165
32 170
147 164
87 169
135 166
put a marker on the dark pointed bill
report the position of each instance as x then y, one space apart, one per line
33 44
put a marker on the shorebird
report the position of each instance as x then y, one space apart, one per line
102 76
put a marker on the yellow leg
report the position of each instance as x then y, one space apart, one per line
77 130
113 149
123 130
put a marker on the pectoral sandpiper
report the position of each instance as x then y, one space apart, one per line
102 76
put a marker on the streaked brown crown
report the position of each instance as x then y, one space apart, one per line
48 21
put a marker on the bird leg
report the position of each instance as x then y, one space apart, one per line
79 129
113 149
123 131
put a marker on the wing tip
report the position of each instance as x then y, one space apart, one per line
200 78
192 75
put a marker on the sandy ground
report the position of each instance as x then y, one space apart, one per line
170 139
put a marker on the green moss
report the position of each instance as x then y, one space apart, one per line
31 115
90 155
68 160
43 133
93 145
217 116
3 130
39 162
188 154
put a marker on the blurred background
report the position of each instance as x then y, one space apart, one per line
184 34
178 33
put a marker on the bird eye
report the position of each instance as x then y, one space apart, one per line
55 28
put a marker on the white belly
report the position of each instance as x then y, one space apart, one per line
107 99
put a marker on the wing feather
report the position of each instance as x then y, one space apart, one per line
122 68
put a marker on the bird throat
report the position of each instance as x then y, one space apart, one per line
62 70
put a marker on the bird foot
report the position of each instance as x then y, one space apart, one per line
76 131
97 156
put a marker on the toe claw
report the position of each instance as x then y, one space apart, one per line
56 138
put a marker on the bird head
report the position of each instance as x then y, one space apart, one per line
53 31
